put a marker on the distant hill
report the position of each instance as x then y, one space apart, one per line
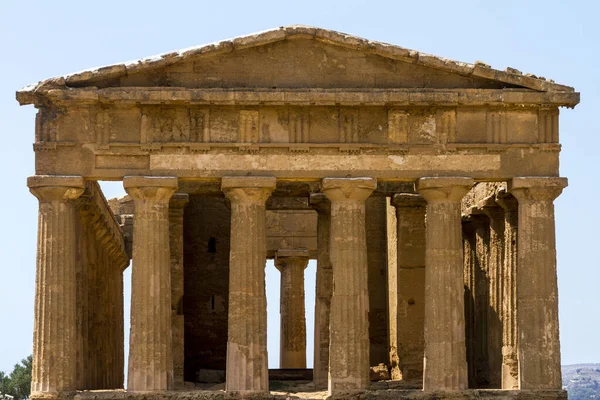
582 381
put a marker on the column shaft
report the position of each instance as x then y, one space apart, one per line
510 363
55 329
410 216
349 329
445 366
324 290
496 275
291 264
176 206
247 332
150 357
537 289
376 234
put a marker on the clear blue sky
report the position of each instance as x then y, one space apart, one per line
555 39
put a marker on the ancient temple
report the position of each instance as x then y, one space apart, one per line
422 186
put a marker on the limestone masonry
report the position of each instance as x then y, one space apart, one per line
422 186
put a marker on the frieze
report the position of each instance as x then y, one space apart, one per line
204 128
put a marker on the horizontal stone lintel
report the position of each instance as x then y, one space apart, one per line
348 97
123 148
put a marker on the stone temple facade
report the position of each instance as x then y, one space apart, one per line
423 187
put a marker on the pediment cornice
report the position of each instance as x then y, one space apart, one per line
84 78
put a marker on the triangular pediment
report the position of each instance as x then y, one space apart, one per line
297 57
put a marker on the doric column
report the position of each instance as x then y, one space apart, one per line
410 217
349 327
510 362
176 206
150 357
481 294
496 277
55 335
247 320
324 289
376 234
537 290
445 366
292 263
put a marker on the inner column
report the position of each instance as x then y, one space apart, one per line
292 263
445 364
349 325
247 320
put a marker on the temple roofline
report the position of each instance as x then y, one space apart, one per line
478 69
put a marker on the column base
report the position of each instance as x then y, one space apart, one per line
375 391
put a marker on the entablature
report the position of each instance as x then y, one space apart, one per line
303 97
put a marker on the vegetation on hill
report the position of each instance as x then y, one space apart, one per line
18 383
582 381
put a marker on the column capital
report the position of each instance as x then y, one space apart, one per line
408 200
283 257
55 187
348 189
507 201
320 202
179 200
442 189
155 188
248 189
527 189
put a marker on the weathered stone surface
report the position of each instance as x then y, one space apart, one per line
379 373
292 263
176 206
410 283
150 352
324 290
445 366
54 362
510 363
376 233
349 332
292 393
247 326
537 290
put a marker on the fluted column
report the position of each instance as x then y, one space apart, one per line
247 320
176 206
537 290
55 335
324 289
510 362
150 358
445 366
496 278
410 216
349 325
292 263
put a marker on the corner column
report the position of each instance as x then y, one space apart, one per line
349 325
150 356
176 206
292 263
537 289
410 216
55 329
324 289
445 365
247 333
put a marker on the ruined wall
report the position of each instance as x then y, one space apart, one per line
206 232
